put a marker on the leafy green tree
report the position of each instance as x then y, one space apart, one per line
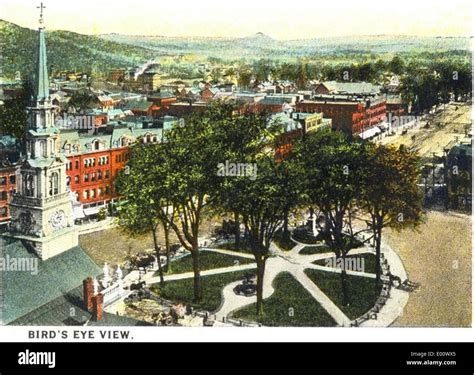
13 115
189 168
263 204
241 138
396 65
143 207
335 170
245 76
391 196
82 100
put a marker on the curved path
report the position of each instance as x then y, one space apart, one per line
295 263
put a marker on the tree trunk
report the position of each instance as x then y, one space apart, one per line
378 268
197 275
158 258
237 229
167 248
260 275
286 233
345 294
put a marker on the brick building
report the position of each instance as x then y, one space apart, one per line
94 162
352 116
7 189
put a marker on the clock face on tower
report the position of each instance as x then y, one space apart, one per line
58 220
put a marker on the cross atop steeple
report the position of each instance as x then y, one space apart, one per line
41 20
41 94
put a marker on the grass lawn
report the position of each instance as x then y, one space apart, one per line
289 294
208 260
369 262
312 250
361 291
182 290
244 246
283 242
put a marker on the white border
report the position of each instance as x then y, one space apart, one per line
166 334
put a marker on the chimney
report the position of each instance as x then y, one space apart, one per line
88 293
98 307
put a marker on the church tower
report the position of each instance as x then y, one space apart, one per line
41 209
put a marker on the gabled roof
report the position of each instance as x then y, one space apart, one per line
141 105
58 313
352 88
24 292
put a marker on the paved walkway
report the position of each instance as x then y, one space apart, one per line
295 263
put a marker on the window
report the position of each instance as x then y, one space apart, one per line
76 179
12 179
77 164
86 194
54 184
107 190
3 180
86 177
68 181
3 196
107 174
3 211
96 145
93 177
29 186
93 193
99 175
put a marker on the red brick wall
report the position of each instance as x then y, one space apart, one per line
88 291
117 160
342 114
98 307
7 187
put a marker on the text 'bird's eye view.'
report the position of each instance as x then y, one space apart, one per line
241 167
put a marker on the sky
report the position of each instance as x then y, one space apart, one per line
280 19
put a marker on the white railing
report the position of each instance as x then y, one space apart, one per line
112 293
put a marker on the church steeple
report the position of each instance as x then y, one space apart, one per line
42 79
41 115
41 209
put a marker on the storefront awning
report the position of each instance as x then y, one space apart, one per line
92 210
78 213
370 133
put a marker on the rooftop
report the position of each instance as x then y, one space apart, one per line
24 292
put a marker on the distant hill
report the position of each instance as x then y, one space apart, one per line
72 51
261 45
66 51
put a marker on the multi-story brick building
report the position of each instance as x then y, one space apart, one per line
350 115
94 162
7 189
